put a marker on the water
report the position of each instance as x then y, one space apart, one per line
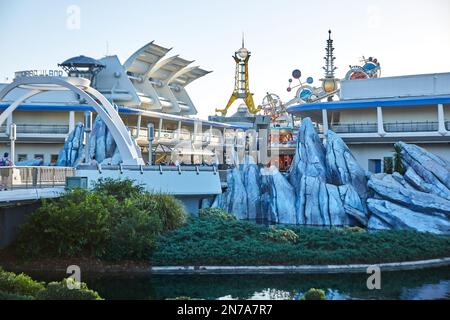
403 285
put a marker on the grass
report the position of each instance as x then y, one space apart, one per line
216 241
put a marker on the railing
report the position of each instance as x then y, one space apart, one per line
33 177
419 126
368 127
371 127
39 128
172 136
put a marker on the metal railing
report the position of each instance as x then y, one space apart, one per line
412 126
371 127
171 136
368 127
39 128
34 177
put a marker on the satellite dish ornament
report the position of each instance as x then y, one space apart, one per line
370 68
272 106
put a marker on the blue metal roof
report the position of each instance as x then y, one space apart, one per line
370 103
82 61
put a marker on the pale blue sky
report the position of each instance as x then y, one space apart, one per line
407 36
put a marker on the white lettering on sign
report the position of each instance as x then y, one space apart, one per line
39 73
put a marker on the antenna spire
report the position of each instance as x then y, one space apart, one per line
243 46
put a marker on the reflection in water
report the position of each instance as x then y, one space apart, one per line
425 284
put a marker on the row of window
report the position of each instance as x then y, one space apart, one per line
37 156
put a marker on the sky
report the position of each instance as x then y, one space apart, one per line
406 36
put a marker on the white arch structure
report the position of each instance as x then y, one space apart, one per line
128 149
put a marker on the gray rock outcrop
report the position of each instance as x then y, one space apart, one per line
418 200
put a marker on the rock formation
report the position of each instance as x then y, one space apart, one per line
319 190
102 146
418 200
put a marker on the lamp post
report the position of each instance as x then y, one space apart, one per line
12 137
150 138
87 134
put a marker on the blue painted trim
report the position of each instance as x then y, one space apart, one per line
46 107
369 103
85 107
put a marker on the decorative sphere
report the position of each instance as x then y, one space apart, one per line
305 94
242 53
288 89
296 74
309 80
329 85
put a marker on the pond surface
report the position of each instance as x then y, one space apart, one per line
403 285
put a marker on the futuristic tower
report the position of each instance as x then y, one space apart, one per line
241 82
329 83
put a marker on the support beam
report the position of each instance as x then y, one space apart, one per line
441 121
138 126
9 122
325 120
160 125
179 131
71 121
380 126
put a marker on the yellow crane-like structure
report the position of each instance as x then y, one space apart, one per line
241 82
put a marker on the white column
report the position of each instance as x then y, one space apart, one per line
9 122
197 131
71 121
12 137
441 121
325 120
179 131
138 125
381 131
160 128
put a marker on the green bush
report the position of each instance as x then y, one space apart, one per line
60 291
354 229
398 160
116 220
170 210
217 213
314 294
19 284
13 296
281 235
68 226
230 242
132 236
120 189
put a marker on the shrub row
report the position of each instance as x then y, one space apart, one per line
116 220
22 287
215 241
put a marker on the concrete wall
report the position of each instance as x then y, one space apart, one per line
362 115
11 218
32 117
401 86
364 152
30 149
414 114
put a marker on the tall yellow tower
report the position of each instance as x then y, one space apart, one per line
241 86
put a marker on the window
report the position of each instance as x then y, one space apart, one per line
375 165
53 158
22 157
39 156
